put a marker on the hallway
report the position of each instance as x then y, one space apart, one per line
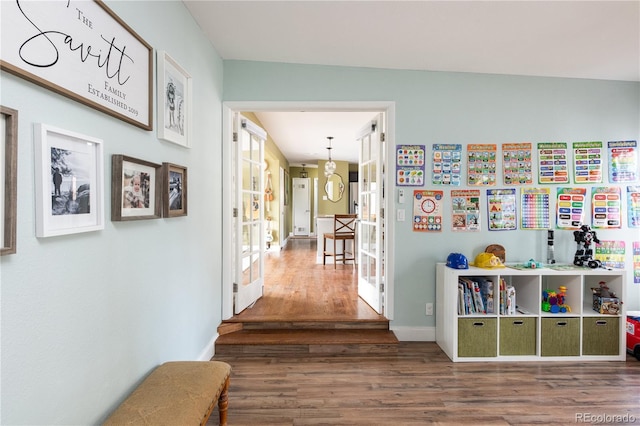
297 289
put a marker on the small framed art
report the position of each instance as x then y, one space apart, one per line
8 179
69 182
174 101
175 190
136 187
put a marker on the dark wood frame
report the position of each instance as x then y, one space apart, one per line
166 190
9 203
117 161
33 74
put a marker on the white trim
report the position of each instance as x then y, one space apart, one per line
209 351
414 334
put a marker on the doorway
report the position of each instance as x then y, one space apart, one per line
301 207
387 108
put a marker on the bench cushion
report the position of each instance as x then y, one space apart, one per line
175 393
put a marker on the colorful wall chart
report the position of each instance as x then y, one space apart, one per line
553 164
636 262
481 164
427 211
535 208
570 207
606 207
465 209
633 206
611 254
410 162
623 161
501 208
447 164
587 162
517 166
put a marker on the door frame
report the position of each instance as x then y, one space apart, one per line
231 107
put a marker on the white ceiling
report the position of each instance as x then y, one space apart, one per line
561 38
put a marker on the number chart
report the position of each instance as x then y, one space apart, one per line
427 211
535 208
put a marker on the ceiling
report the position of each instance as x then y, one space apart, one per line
561 38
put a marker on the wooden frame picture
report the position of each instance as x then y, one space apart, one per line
69 182
174 101
82 50
136 187
174 191
8 179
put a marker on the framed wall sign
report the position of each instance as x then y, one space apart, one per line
136 189
81 50
174 101
174 193
8 179
69 182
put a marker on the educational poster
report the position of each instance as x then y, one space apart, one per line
633 206
447 164
465 209
606 207
427 211
623 161
501 208
410 162
553 166
534 208
610 253
517 166
481 164
636 262
587 162
570 208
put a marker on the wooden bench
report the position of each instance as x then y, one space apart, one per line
177 393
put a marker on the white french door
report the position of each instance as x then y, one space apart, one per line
301 207
248 222
371 260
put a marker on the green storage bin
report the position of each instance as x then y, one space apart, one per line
601 336
560 336
517 336
477 337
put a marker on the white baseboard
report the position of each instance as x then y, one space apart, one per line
209 351
415 334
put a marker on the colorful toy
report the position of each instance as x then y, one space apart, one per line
584 253
604 300
532 264
555 302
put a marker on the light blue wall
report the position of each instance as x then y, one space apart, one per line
438 107
86 316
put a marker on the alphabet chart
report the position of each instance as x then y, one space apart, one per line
606 207
410 165
587 162
570 208
447 164
482 164
427 211
535 208
553 164
516 164
465 209
623 157
633 206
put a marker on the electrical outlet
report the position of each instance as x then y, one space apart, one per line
429 310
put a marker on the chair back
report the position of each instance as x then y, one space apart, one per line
344 224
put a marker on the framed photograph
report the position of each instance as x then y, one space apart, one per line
8 179
82 50
136 187
69 182
174 101
174 193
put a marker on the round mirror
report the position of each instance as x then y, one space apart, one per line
334 187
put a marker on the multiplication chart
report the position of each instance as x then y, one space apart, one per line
587 162
606 206
517 167
481 164
623 161
410 165
447 160
553 164
570 207
535 208
427 211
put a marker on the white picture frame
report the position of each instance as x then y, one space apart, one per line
174 101
69 172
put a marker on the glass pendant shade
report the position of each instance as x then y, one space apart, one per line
329 166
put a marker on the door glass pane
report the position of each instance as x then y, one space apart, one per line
246 175
255 149
255 237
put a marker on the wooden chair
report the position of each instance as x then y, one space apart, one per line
344 228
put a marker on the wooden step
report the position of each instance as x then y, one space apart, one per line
308 325
304 341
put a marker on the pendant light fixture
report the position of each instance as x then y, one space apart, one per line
303 172
329 166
